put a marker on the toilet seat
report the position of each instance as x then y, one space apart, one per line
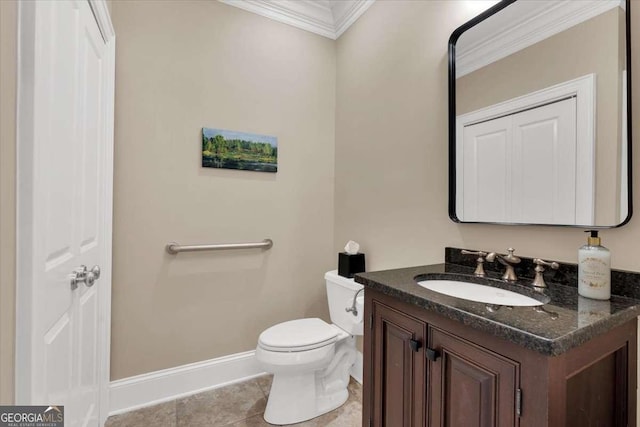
298 335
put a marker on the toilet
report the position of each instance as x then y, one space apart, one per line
310 359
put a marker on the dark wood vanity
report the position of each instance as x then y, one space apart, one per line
435 360
421 369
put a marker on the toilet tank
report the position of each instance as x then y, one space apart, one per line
340 293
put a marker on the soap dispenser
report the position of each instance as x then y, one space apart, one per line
594 269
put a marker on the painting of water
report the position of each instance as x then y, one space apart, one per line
239 150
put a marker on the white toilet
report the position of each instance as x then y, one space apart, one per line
310 359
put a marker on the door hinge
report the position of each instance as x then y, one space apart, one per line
371 321
518 402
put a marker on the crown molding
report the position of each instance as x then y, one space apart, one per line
345 13
328 18
528 30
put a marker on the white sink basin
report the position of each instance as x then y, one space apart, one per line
479 293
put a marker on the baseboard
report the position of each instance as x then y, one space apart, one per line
156 387
356 369
160 386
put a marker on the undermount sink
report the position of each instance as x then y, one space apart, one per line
479 293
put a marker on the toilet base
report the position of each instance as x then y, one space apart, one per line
292 399
297 397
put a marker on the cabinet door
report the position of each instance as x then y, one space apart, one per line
469 385
398 368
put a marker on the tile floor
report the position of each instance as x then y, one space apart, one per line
237 405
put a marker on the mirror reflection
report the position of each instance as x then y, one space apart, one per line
541 115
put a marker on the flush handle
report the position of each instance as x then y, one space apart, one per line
415 345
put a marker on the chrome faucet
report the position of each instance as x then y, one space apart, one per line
508 261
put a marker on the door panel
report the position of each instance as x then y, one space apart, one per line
58 348
64 196
92 51
522 167
544 172
486 170
469 385
55 145
87 385
398 370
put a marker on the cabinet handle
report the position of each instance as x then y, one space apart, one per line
432 354
415 345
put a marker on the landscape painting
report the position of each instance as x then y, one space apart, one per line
239 150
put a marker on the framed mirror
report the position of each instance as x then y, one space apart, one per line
539 101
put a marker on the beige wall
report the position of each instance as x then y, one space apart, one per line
182 65
177 72
391 146
8 65
594 46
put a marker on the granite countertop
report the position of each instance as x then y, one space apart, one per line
567 320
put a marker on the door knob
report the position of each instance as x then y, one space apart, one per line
92 276
82 275
415 345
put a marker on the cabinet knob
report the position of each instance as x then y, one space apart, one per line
432 354
415 345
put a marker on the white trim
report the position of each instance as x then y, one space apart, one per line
101 13
527 31
24 204
345 17
584 89
168 384
296 14
149 389
328 19
357 368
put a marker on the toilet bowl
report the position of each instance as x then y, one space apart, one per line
310 359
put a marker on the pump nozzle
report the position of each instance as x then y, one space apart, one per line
593 240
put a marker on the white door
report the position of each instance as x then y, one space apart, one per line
65 166
486 175
521 168
544 164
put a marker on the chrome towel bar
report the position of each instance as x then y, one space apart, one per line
174 248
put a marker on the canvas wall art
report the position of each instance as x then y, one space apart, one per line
239 150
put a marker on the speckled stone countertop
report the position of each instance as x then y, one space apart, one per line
565 321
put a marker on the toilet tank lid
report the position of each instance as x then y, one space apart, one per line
298 333
344 281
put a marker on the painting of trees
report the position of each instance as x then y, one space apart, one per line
239 150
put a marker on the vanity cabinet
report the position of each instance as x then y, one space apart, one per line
470 385
400 368
425 370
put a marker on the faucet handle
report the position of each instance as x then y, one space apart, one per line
508 261
479 272
511 258
538 281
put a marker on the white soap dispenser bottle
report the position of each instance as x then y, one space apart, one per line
594 269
